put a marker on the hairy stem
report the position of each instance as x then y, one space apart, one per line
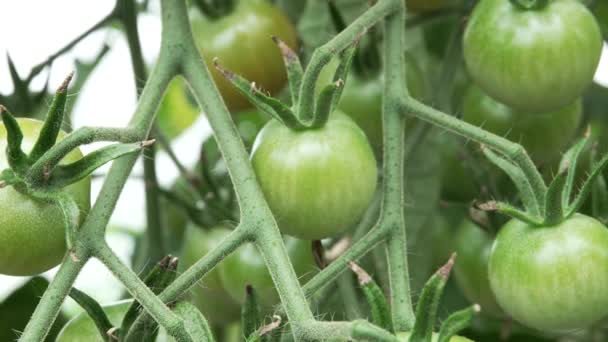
47 310
392 216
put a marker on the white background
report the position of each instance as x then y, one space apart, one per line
30 30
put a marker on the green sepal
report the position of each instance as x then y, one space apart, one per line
380 310
196 324
511 211
529 4
95 312
569 163
52 123
426 310
554 210
457 322
8 177
17 159
64 175
293 67
341 73
157 279
251 313
261 101
526 192
579 200
325 102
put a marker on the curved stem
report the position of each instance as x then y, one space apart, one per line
47 310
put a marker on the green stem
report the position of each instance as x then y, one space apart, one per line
141 293
514 151
323 54
392 215
128 17
47 310
196 272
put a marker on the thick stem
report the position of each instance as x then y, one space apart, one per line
141 293
392 215
47 310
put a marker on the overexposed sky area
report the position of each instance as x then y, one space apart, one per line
30 30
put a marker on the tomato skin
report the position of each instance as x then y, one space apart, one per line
552 278
473 247
176 111
242 42
544 136
32 233
405 337
319 182
535 60
208 294
246 267
82 328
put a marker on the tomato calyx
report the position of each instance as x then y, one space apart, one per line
321 106
529 4
557 202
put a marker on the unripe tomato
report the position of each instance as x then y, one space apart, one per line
552 278
32 232
318 182
82 328
405 337
242 42
176 111
247 267
543 135
473 246
536 60
208 294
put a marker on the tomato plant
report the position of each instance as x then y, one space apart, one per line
246 267
241 40
514 54
32 233
473 246
543 135
552 278
209 295
317 182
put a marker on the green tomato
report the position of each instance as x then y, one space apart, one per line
544 135
318 182
82 328
208 294
177 111
473 246
247 267
32 232
405 337
552 278
242 42
534 60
